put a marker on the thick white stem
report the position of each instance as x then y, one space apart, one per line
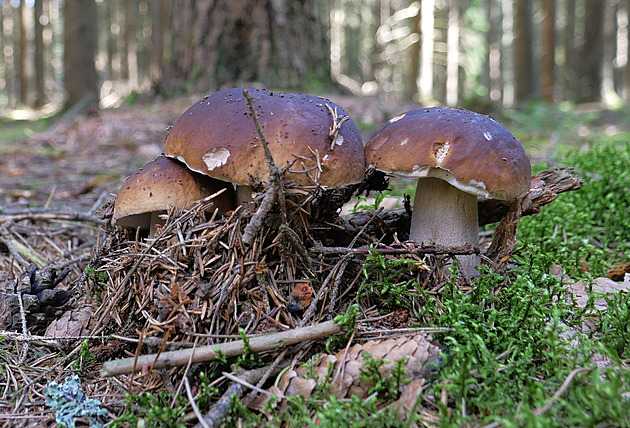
444 215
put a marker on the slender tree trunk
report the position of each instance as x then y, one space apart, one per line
548 51
452 56
23 56
625 7
591 54
523 51
80 36
414 52
610 43
493 42
130 43
507 52
428 37
40 96
569 76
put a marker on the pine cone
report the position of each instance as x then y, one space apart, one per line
423 359
41 299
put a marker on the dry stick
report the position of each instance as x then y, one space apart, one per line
274 192
216 415
431 249
12 244
232 349
340 266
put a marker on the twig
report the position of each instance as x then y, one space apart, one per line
232 349
191 400
339 267
275 190
216 415
565 385
431 249
333 133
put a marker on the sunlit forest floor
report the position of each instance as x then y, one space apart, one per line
504 361
72 162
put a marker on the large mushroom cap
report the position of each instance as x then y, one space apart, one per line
161 183
217 137
469 150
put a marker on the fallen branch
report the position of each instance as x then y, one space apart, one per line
266 342
430 249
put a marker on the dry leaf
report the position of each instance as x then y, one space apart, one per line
300 297
617 271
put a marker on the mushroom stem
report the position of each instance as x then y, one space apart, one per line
155 221
243 195
444 215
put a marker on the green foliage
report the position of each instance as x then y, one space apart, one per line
70 403
206 392
84 356
514 347
591 225
152 410
387 388
362 205
385 280
249 359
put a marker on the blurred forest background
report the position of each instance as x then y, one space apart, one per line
480 54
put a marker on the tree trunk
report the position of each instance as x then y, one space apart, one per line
452 55
236 42
414 52
80 34
591 54
428 38
523 51
40 96
23 53
608 92
548 51
569 68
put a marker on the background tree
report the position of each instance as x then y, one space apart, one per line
80 79
523 51
479 53
282 43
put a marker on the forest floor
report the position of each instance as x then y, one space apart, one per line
74 161
79 163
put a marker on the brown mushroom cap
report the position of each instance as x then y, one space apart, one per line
217 137
161 183
469 150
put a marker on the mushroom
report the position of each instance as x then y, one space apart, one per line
312 135
457 156
148 193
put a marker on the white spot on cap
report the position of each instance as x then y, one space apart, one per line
441 151
488 136
397 118
339 140
325 158
405 141
216 158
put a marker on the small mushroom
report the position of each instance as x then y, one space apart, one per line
217 137
457 156
163 182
